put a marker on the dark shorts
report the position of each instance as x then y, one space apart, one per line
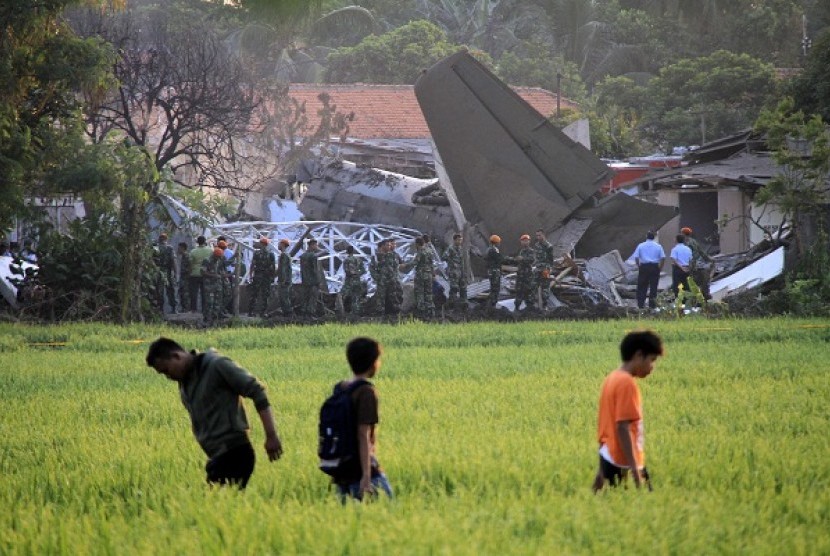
234 467
614 475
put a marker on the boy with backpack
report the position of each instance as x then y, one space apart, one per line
347 430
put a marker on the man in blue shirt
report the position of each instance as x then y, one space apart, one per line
681 258
649 257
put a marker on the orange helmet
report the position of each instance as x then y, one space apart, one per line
263 240
284 242
495 239
686 231
221 244
524 237
219 252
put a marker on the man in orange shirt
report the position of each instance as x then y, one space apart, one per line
620 430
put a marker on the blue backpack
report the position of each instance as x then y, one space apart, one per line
337 445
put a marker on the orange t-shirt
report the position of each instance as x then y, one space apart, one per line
620 400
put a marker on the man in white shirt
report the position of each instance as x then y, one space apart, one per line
649 257
681 258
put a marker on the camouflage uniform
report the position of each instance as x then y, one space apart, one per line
390 283
543 252
424 272
700 267
493 260
165 261
263 267
456 274
284 277
184 276
353 290
213 275
524 278
310 276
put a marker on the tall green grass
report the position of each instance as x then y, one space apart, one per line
487 434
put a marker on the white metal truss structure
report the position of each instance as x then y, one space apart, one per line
332 239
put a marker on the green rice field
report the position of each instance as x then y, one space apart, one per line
487 434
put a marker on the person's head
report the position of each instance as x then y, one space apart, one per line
312 244
426 239
391 244
650 235
680 238
639 350
183 246
283 244
456 239
524 240
218 252
201 240
419 242
540 235
495 240
264 241
350 250
363 355
167 357
162 237
222 244
222 238
686 231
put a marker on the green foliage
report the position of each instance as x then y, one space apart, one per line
42 67
724 91
811 89
534 65
487 434
395 57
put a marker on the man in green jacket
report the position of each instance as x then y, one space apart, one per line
211 386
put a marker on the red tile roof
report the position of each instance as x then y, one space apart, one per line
392 111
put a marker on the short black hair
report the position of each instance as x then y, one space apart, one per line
681 238
184 244
362 353
201 240
650 235
419 241
162 348
644 341
350 250
456 236
426 238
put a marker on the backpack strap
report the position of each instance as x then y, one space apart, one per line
352 387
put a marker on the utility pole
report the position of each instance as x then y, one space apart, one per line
558 95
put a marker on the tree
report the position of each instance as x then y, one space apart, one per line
395 57
534 65
698 99
811 89
42 66
801 145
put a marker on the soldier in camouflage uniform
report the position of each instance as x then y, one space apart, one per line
524 276
701 264
390 264
284 277
183 254
353 290
424 272
493 259
456 272
263 268
544 263
213 274
313 280
374 271
166 275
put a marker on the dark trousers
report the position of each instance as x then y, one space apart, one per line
197 292
234 467
678 277
647 281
